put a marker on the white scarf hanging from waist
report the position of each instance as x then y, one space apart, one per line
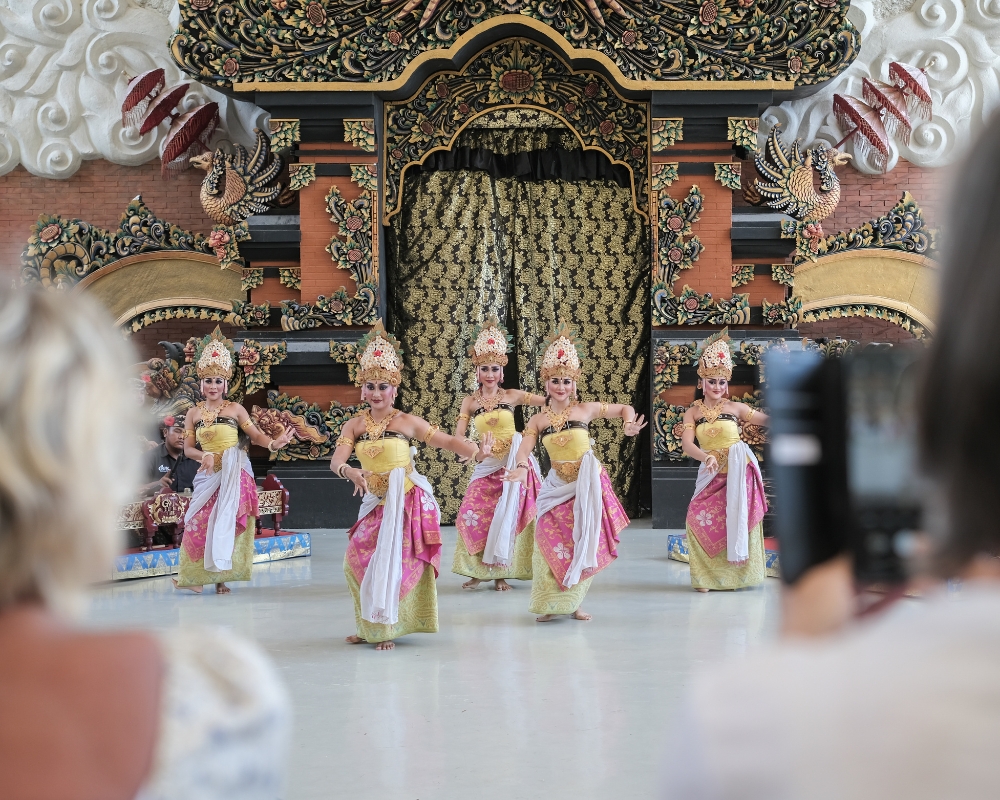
384 576
499 548
737 507
220 534
587 512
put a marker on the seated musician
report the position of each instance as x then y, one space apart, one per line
168 469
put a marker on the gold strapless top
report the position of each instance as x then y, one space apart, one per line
382 456
219 436
499 422
717 437
566 448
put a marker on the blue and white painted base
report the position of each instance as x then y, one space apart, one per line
154 563
677 549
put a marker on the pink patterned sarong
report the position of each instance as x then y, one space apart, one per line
554 534
196 530
421 540
479 505
706 517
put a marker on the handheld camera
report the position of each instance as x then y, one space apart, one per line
843 455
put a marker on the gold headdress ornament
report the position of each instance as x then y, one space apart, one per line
213 356
491 343
380 358
715 359
563 354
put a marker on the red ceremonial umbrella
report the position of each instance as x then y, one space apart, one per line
189 135
891 101
861 118
138 94
161 107
913 82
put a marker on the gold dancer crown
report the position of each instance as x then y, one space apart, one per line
213 356
716 358
563 354
380 357
492 343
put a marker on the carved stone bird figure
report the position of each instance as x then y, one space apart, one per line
786 179
239 184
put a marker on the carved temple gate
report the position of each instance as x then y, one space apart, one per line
659 100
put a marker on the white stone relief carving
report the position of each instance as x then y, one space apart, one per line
61 65
958 43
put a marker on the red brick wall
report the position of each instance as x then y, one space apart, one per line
867 197
860 329
98 194
146 341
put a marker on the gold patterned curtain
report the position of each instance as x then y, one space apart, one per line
467 244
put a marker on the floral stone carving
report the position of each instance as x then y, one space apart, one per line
61 252
316 431
300 176
742 132
666 133
355 253
285 134
742 274
691 308
662 175
256 361
902 228
728 174
360 133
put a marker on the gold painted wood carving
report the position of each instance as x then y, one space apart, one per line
516 73
360 41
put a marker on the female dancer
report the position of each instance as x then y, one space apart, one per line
579 516
496 519
219 523
724 531
395 546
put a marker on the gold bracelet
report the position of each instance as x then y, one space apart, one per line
246 426
524 464
687 426
604 410
270 446
189 434
627 422
340 471
430 434
750 415
344 440
529 432
463 416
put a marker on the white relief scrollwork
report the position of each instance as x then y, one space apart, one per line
61 72
957 42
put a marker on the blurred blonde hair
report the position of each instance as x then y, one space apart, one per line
69 453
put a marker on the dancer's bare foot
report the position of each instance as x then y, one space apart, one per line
501 585
545 618
221 588
583 616
195 589
355 640
385 646
471 584
699 589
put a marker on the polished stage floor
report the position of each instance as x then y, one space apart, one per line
495 705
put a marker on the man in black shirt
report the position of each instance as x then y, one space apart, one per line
169 470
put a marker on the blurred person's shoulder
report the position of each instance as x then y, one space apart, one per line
224 722
906 705
85 702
